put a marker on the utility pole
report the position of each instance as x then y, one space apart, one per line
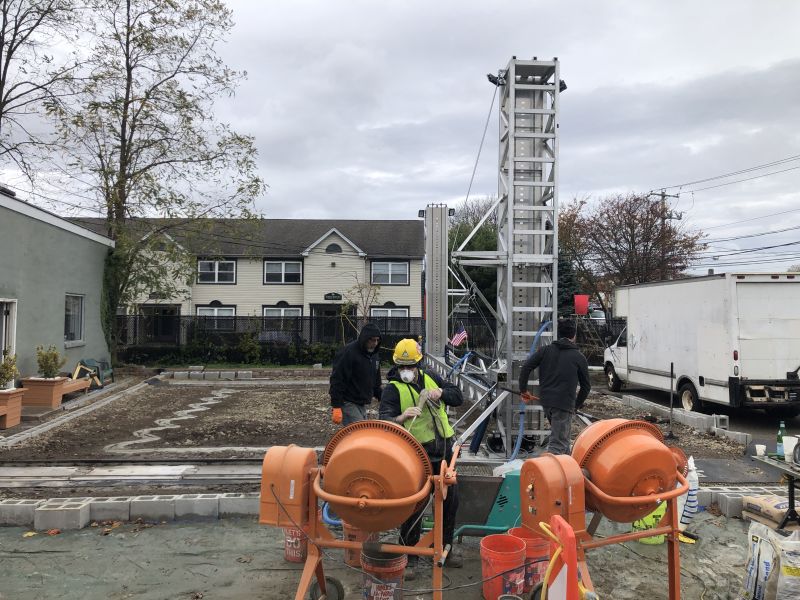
665 215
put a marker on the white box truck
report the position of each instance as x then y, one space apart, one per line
731 339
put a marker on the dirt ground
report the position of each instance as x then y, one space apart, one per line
234 416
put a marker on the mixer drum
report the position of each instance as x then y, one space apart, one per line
625 458
375 460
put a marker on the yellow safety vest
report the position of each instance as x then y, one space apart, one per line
422 428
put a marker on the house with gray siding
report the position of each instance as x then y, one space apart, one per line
51 277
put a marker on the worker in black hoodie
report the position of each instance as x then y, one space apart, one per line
356 377
562 368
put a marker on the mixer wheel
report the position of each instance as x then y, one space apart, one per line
333 587
536 592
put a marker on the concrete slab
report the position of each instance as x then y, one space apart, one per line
743 471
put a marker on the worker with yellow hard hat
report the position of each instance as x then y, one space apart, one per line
416 400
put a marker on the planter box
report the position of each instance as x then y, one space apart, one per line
43 392
11 407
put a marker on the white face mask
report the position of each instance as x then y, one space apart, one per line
407 375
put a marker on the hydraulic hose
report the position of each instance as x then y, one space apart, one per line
326 516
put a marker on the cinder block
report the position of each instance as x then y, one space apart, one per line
239 504
197 505
18 512
61 515
722 421
703 497
227 375
180 375
110 509
736 436
200 368
244 374
730 504
153 508
195 375
211 375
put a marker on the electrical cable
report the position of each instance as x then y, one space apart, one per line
711 187
732 173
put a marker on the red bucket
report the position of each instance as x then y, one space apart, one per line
295 545
537 554
353 534
502 562
383 575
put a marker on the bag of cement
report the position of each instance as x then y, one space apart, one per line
760 562
784 580
687 503
768 506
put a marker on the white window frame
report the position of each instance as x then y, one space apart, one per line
215 325
78 341
283 264
390 312
216 272
391 267
282 310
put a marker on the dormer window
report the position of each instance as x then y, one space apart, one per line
333 249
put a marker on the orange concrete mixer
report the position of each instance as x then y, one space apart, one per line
374 475
619 469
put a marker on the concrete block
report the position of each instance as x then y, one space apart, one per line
730 504
153 508
197 505
227 375
110 509
211 375
736 436
61 515
703 497
244 374
239 504
195 375
200 368
18 512
722 421
180 375
317 366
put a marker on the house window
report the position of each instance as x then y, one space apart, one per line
333 249
278 311
216 271
73 318
281 323
283 272
217 317
388 312
390 273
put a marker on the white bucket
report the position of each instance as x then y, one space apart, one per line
789 442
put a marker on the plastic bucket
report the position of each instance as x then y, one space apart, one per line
354 534
502 565
295 545
383 575
537 554
650 521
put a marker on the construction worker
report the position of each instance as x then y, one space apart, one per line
562 368
427 421
356 377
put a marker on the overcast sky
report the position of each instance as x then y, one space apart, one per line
369 109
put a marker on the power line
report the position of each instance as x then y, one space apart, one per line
711 187
732 173
784 212
751 235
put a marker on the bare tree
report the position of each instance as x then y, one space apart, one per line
362 296
625 240
794 268
31 75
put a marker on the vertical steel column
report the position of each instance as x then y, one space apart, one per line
436 261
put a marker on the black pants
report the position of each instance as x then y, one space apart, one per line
410 530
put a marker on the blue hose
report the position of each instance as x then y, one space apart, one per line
326 516
459 362
522 404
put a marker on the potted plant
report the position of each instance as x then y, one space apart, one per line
47 389
11 398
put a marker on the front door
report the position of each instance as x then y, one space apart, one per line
330 326
161 322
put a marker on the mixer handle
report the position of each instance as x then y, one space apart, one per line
638 500
370 502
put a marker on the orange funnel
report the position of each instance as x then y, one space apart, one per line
375 461
623 459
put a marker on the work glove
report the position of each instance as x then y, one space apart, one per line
528 398
411 412
336 416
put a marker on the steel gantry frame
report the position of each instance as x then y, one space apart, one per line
526 258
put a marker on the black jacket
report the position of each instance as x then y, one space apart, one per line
561 368
356 373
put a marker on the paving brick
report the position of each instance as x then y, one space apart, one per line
18 511
195 375
153 508
239 504
211 375
180 375
197 505
244 374
110 509
61 515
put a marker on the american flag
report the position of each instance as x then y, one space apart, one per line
459 336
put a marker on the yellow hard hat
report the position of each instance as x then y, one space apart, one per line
407 352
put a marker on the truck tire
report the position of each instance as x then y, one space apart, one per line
612 381
687 394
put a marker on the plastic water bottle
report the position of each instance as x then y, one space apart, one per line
779 445
689 509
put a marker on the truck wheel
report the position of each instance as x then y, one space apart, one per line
334 588
688 397
612 381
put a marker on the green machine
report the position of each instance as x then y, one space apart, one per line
487 504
